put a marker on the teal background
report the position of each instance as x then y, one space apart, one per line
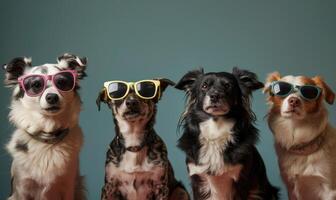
133 40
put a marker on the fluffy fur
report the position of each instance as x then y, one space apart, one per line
45 170
304 140
137 165
219 136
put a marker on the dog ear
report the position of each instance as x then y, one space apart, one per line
329 95
14 69
164 83
102 97
73 62
248 81
189 79
274 76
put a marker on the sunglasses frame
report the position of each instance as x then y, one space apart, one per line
46 78
133 84
295 88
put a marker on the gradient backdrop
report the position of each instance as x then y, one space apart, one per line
133 40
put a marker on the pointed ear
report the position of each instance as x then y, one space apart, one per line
274 76
73 62
329 95
14 69
102 97
189 79
248 81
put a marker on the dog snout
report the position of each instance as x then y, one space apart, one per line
131 103
294 102
52 98
214 97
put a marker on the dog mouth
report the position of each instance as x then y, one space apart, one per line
216 109
132 114
53 109
291 112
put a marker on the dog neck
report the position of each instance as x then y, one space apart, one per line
50 137
299 134
308 147
133 134
33 121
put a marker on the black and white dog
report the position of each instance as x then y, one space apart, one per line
219 136
45 146
137 165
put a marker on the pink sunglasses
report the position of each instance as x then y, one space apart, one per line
35 84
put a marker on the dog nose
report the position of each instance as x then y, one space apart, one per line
294 101
52 98
214 97
131 103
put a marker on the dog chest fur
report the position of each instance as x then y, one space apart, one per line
137 174
41 162
214 136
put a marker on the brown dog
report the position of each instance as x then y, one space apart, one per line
304 140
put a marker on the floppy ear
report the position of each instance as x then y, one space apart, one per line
73 62
189 79
164 83
248 81
329 95
274 76
102 97
14 69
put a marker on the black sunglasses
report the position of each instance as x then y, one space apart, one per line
283 89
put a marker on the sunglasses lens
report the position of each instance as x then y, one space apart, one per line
282 88
64 81
33 85
146 89
117 90
309 92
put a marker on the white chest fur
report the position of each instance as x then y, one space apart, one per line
44 162
214 136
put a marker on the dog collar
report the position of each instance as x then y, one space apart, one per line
134 148
308 147
50 137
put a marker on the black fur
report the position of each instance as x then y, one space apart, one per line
14 69
235 89
73 64
20 146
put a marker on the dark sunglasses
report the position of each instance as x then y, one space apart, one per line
145 89
283 89
35 84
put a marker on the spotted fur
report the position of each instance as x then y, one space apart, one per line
137 165
43 170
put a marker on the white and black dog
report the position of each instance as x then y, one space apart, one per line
45 146
219 136
137 165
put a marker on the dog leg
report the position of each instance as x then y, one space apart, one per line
179 194
111 191
312 188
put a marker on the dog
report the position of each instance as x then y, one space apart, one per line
304 139
45 146
219 136
137 165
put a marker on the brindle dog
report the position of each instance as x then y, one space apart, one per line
137 165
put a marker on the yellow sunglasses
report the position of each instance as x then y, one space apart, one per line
145 89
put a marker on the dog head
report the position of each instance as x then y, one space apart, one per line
294 105
132 108
218 93
50 100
